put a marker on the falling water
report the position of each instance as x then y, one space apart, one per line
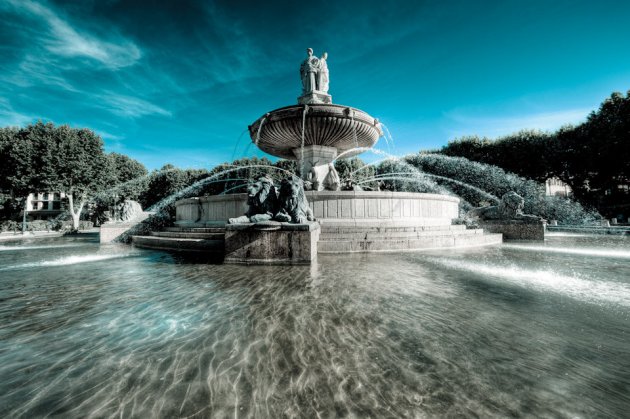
225 192
131 182
262 121
389 140
202 182
302 175
416 177
354 130
238 142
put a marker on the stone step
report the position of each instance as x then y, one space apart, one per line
365 229
189 235
397 234
435 242
195 229
178 244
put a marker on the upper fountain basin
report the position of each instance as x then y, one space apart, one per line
279 132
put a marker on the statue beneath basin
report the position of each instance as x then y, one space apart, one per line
323 177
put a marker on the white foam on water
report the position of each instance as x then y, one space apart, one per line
67 260
594 291
610 253
52 246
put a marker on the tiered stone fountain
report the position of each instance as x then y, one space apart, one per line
315 132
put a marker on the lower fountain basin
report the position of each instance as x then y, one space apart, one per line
333 208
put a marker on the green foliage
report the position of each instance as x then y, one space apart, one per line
44 225
477 177
508 152
45 157
472 181
124 168
10 225
593 158
399 175
357 171
167 182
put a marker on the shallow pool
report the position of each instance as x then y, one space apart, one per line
538 330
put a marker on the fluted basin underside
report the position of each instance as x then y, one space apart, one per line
280 131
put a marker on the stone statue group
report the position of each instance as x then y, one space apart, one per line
314 73
267 204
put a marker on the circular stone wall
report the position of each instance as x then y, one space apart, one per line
340 208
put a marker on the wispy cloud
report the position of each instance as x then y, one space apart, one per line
37 69
131 107
462 123
108 135
10 117
65 40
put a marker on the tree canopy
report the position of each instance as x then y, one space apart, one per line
45 157
593 158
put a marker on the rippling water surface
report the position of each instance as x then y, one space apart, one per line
535 330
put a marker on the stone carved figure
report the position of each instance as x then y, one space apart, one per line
313 179
351 185
510 208
323 81
293 203
127 210
262 199
332 181
309 72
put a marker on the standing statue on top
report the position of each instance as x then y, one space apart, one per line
322 83
315 80
308 72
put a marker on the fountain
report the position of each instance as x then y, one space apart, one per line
315 132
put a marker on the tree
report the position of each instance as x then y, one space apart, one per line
354 170
593 158
125 168
80 167
42 156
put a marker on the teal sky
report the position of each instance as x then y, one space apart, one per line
179 81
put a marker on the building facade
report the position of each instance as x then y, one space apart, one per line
44 205
556 187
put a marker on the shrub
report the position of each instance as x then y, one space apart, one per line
479 184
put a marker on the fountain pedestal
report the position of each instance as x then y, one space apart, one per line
315 97
287 244
516 229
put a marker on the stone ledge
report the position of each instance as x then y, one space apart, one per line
109 232
516 229
310 226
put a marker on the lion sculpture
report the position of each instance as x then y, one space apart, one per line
262 199
128 210
293 204
510 208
